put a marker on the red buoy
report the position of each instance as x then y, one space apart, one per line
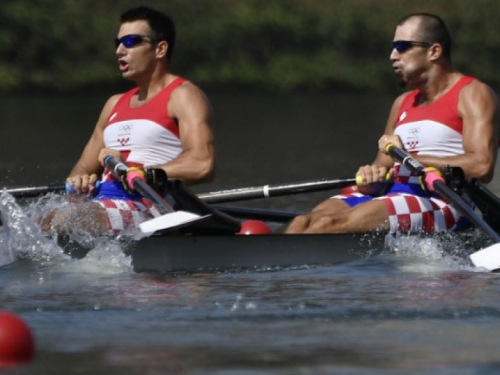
16 341
348 190
254 227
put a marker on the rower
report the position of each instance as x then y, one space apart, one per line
162 129
447 119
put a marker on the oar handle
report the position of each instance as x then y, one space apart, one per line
119 169
116 167
405 159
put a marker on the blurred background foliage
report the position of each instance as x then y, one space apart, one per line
239 45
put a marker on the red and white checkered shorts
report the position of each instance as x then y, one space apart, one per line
126 214
409 213
414 214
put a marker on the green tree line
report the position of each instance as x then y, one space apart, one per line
269 45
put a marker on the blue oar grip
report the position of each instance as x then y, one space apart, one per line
69 188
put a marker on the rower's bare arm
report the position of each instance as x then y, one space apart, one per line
194 114
478 108
87 168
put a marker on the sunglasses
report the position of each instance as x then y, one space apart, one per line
131 40
404 45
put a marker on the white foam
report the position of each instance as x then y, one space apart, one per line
21 238
429 254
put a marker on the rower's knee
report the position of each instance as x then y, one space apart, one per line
54 222
88 219
298 225
327 224
45 221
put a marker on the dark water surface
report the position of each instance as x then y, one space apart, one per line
391 314
415 311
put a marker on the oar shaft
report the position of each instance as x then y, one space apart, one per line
146 191
268 191
35 191
444 190
222 196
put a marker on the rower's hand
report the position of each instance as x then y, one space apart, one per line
390 139
105 152
82 184
372 179
429 177
370 174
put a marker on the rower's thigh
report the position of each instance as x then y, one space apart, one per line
369 216
366 217
88 217
330 206
301 223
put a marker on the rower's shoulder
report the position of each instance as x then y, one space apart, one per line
111 102
113 99
477 84
401 98
187 88
108 107
478 99
188 92
477 90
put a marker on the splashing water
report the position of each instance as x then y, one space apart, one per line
437 252
22 238
6 255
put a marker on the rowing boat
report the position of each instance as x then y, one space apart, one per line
212 253
194 253
209 241
206 250
191 252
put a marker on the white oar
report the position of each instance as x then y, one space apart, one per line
170 219
489 257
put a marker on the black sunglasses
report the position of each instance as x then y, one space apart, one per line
404 45
131 40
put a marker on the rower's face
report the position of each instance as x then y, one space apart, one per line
136 49
411 64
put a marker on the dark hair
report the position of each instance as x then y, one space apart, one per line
160 23
432 29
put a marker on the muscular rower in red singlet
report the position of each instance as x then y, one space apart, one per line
165 123
448 119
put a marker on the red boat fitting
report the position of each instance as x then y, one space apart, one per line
254 227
